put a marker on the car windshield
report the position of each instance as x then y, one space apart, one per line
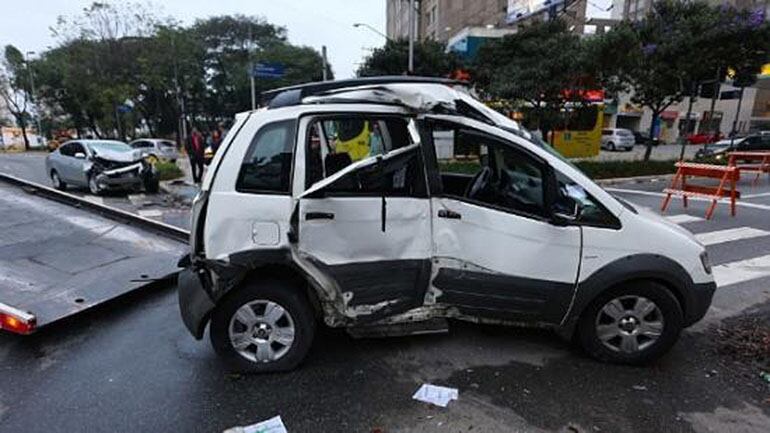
167 144
110 146
624 133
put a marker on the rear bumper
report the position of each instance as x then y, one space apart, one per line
195 305
699 302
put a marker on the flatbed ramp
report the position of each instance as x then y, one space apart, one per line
57 259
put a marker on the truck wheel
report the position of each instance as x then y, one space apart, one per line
632 324
263 327
57 182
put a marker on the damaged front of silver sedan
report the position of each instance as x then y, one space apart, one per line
101 165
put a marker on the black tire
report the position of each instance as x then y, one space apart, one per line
612 146
287 295
57 182
668 307
152 185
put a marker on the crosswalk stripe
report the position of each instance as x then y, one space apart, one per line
740 271
683 218
728 235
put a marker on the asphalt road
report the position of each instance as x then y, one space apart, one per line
131 366
162 207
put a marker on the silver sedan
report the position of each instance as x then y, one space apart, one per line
100 165
156 149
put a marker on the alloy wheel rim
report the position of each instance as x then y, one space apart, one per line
55 179
629 324
93 186
262 331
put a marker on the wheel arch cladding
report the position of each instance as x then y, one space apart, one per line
648 267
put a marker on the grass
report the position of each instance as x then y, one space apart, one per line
592 169
168 171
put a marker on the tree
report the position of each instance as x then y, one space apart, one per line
542 65
14 88
430 59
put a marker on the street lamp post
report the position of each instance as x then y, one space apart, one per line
411 37
367 26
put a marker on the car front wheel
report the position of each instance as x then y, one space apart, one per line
264 327
632 324
93 186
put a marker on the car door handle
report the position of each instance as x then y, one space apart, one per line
446 213
319 216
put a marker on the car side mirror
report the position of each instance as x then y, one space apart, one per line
80 155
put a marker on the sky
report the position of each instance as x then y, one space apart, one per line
314 23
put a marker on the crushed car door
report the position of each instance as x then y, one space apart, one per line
498 252
367 227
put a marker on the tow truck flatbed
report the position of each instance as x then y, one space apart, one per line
58 259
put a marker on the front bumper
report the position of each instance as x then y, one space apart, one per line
699 302
195 304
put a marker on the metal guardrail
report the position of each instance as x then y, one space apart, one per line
128 218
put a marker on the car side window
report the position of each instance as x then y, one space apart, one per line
334 143
76 148
66 149
569 194
478 168
266 168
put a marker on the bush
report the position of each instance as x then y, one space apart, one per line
168 170
614 169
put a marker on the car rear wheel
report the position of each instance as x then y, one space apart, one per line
57 182
632 324
264 327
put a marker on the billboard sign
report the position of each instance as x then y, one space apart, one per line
522 9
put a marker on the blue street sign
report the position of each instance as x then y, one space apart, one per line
268 70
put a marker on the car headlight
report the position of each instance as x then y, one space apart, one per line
704 259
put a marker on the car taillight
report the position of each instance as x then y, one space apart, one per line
17 321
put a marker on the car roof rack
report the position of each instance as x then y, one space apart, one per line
293 95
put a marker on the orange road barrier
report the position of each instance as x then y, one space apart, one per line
728 177
748 163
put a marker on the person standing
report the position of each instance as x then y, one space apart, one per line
197 149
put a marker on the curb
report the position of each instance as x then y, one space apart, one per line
635 179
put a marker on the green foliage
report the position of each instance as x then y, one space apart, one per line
619 169
118 52
430 59
168 171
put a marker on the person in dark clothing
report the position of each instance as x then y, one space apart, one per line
195 152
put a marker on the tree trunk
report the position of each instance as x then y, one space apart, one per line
683 140
23 127
648 150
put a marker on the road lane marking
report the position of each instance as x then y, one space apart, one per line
761 194
683 218
660 194
743 270
729 235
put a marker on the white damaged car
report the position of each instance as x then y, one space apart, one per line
389 205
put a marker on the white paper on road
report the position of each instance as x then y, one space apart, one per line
273 425
433 394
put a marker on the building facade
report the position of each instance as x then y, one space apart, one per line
441 19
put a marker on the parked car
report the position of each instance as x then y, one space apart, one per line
721 148
703 138
292 229
643 138
156 149
617 138
100 165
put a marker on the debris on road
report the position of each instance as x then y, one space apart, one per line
639 387
437 395
273 425
747 338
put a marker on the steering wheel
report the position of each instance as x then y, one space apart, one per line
478 182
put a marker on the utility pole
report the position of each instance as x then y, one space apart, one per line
253 89
325 62
411 37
